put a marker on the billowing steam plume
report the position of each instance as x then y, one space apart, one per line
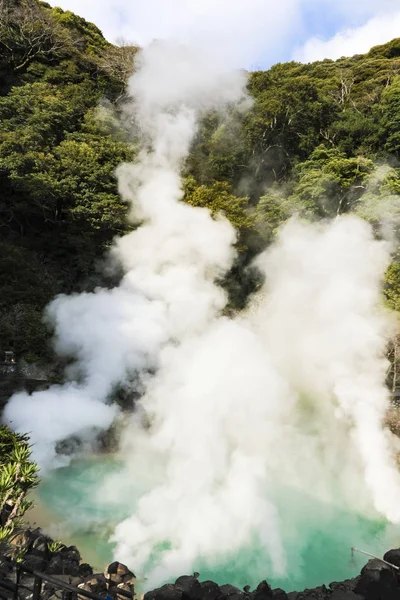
290 394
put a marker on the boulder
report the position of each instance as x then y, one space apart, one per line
35 563
187 582
393 556
231 592
190 586
279 594
56 566
116 573
127 588
37 555
166 592
70 554
378 581
210 590
65 562
85 570
96 584
262 592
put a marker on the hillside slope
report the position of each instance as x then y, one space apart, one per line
311 143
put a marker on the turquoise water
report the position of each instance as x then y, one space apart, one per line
73 510
317 537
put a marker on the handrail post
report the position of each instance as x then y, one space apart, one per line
67 595
17 580
37 588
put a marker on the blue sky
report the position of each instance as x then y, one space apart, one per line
267 31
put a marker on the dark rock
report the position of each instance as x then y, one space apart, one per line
70 554
166 592
85 570
348 585
116 573
393 556
345 595
56 566
190 586
187 582
35 563
263 591
96 584
318 593
210 590
231 592
124 587
378 582
65 562
279 594
37 554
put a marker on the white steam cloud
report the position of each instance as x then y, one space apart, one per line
289 394
170 261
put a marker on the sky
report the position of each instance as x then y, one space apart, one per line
302 30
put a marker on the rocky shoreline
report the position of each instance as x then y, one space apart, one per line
377 580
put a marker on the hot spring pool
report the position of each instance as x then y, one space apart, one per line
318 545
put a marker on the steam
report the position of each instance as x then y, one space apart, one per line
289 394
171 261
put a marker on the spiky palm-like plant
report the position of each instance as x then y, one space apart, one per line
18 475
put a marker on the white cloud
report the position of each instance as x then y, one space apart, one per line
259 30
356 40
266 31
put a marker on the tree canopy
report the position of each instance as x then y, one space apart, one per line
313 143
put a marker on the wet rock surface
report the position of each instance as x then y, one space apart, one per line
377 580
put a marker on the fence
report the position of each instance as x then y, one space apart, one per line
21 589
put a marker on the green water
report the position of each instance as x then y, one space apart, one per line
317 538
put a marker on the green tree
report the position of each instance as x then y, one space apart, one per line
329 183
218 198
390 119
392 286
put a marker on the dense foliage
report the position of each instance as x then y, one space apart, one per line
314 142
59 147
18 475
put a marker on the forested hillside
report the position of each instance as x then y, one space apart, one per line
321 139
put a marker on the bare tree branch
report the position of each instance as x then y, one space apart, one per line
118 61
28 32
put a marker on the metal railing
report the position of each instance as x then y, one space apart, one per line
19 589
